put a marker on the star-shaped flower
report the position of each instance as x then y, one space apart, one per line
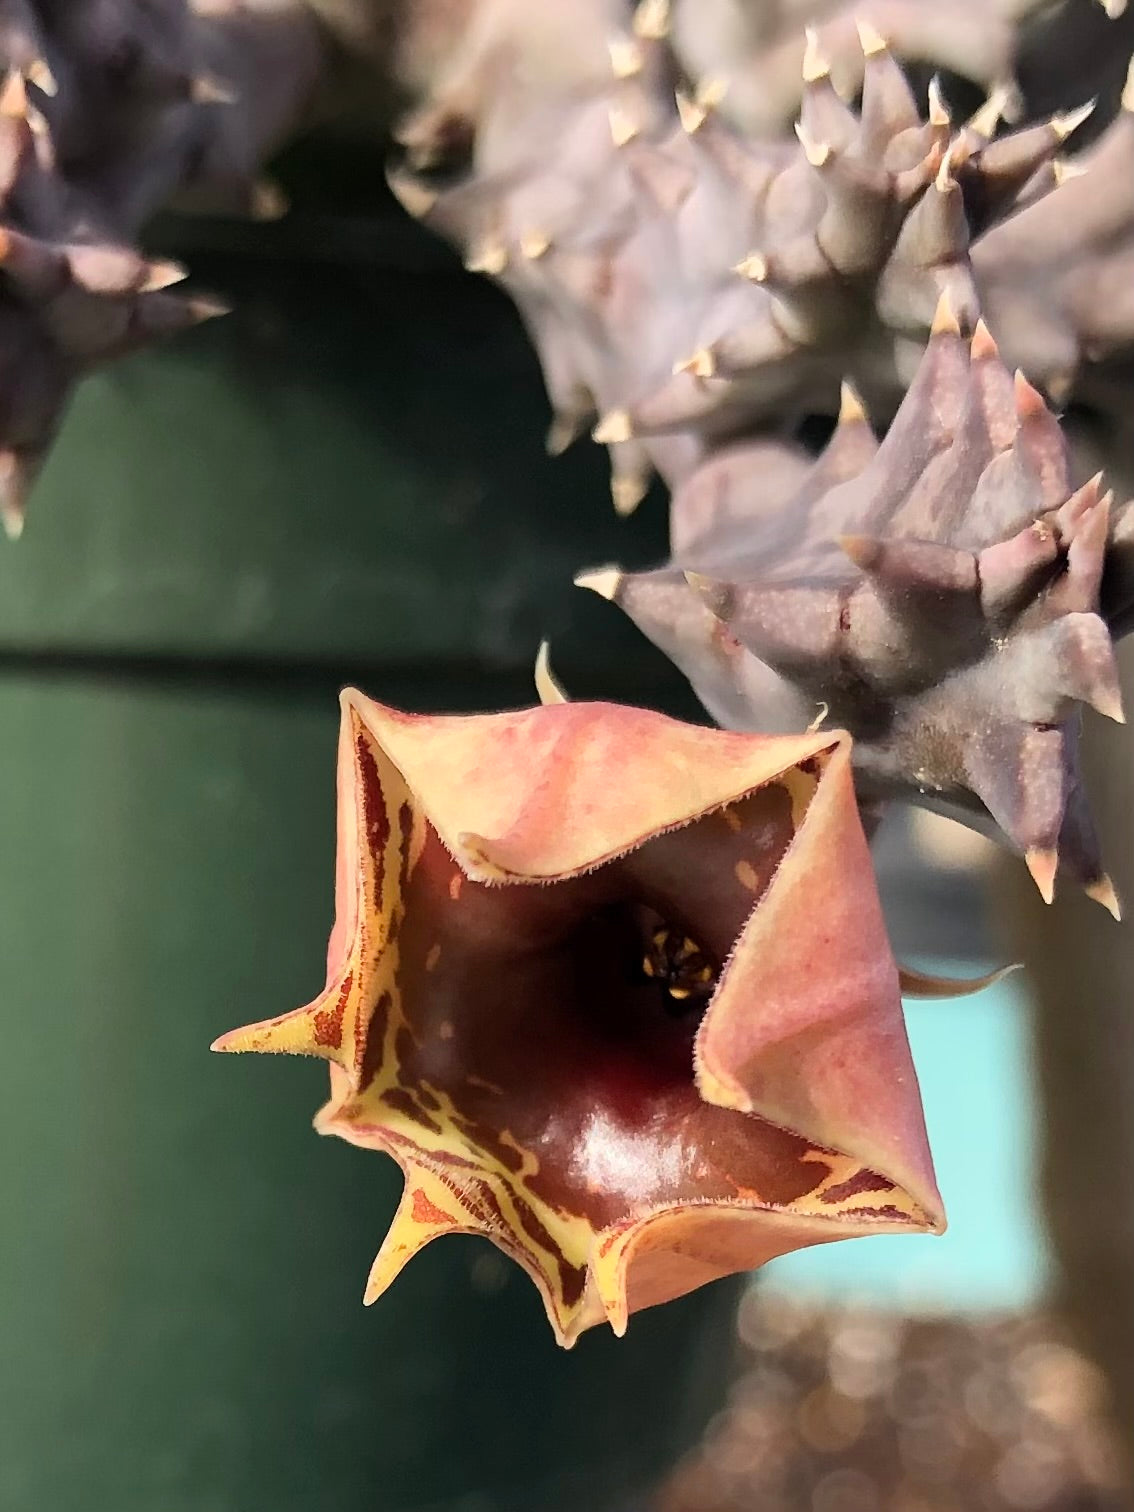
615 992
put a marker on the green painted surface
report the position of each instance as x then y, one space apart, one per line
349 467
182 1258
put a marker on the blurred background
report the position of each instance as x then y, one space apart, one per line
345 481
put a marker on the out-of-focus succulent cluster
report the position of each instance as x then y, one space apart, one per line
696 289
108 109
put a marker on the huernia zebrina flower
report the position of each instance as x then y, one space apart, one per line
614 991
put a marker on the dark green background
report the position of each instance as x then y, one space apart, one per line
344 481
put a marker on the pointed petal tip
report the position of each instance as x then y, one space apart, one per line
605 581
548 689
917 984
1103 892
235 1042
1043 863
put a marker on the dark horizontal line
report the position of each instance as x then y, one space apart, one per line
476 684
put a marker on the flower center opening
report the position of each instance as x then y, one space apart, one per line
681 968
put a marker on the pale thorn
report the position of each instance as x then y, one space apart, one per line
852 411
1103 892
816 723
39 73
983 344
206 90
815 152
1108 702
623 126
490 258
548 690
627 491
944 181
1113 8
1063 172
651 20
613 428
563 432
13 522
626 59
605 581
268 202
691 115
985 120
414 197
534 245
702 364
41 131
1070 120
162 275
1128 89
14 96
816 64
945 321
209 309
1059 386
870 39
754 267
701 584
711 93
938 110
1043 863
13 495
1029 400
